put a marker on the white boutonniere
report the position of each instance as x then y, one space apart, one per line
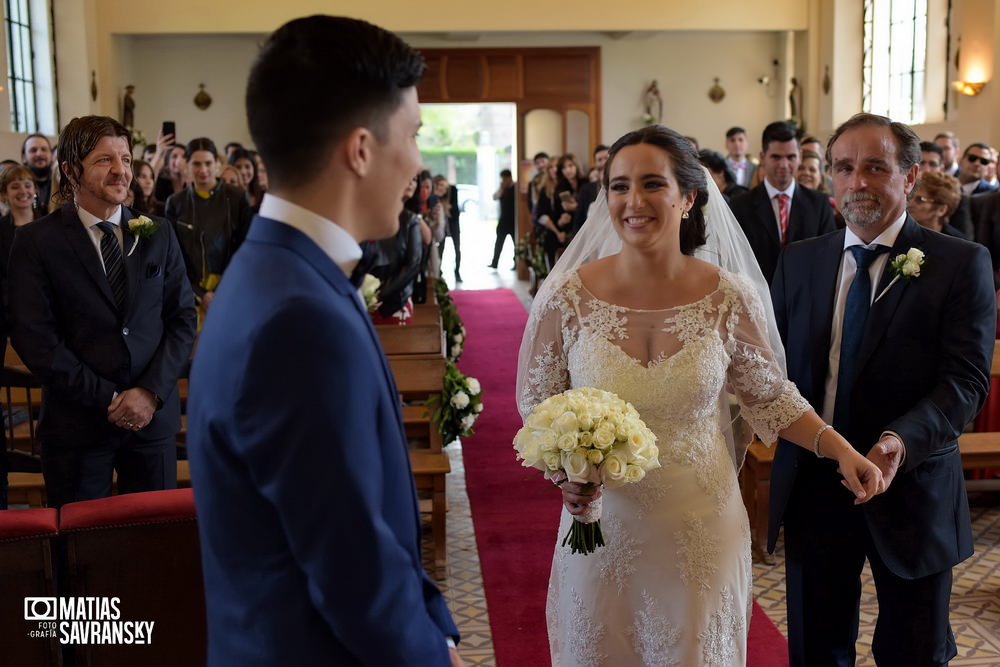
141 227
369 291
904 266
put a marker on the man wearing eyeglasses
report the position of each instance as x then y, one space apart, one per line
975 160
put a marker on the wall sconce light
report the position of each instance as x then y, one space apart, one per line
970 88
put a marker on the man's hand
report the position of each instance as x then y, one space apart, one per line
456 659
887 455
132 409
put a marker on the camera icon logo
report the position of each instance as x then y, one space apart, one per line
40 609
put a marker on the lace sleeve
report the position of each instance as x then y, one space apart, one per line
769 401
542 366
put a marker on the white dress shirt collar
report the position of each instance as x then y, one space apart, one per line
773 192
89 219
328 235
886 238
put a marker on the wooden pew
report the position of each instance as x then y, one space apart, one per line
422 336
419 377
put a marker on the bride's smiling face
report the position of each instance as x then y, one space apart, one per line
644 197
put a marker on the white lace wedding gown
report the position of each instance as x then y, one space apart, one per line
672 584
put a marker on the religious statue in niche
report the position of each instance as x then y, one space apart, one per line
653 105
795 103
202 100
128 107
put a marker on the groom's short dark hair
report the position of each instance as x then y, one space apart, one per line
318 78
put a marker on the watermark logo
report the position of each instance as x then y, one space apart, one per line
84 621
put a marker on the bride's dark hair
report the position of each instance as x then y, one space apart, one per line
687 170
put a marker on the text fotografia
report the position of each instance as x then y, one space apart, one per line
84 621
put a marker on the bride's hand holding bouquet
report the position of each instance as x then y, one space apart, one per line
586 439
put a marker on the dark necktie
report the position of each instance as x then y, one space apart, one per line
365 263
111 253
855 314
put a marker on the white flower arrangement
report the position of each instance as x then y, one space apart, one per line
589 436
142 228
458 406
904 266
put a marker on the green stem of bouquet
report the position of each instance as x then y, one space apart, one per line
584 538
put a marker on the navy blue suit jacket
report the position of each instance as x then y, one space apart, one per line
68 330
923 372
310 529
809 216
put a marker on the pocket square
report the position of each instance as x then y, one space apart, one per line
153 270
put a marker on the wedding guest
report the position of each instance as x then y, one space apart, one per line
309 520
145 200
949 144
396 264
448 196
556 206
36 152
737 158
17 192
587 192
231 176
721 173
541 162
506 196
247 165
210 219
810 172
935 197
173 176
975 160
108 345
931 157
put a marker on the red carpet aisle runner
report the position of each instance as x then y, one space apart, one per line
514 514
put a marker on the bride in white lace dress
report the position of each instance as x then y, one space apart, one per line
669 333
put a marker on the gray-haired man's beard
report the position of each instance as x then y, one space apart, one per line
866 212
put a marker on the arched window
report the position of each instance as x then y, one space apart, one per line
29 66
895 59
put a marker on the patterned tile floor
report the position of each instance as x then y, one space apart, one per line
975 599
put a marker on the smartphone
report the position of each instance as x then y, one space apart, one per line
169 128
566 196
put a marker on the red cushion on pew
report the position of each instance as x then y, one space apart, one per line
28 522
128 508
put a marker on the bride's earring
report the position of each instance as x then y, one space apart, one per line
685 215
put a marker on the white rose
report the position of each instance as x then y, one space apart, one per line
566 423
566 442
458 338
603 437
468 421
613 468
595 456
477 408
910 269
460 400
527 447
634 473
546 440
473 385
552 460
456 350
576 466
915 255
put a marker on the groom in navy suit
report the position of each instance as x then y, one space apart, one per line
899 367
310 528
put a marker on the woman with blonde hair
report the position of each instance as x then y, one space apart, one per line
935 197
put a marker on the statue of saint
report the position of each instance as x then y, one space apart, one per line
653 104
128 107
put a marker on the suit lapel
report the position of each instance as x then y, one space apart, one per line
883 309
823 285
765 213
81 242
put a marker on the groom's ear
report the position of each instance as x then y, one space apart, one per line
358 149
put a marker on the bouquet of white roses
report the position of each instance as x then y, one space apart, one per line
593 437
458 406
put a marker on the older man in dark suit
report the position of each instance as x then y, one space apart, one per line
104 316
779 211
888 328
